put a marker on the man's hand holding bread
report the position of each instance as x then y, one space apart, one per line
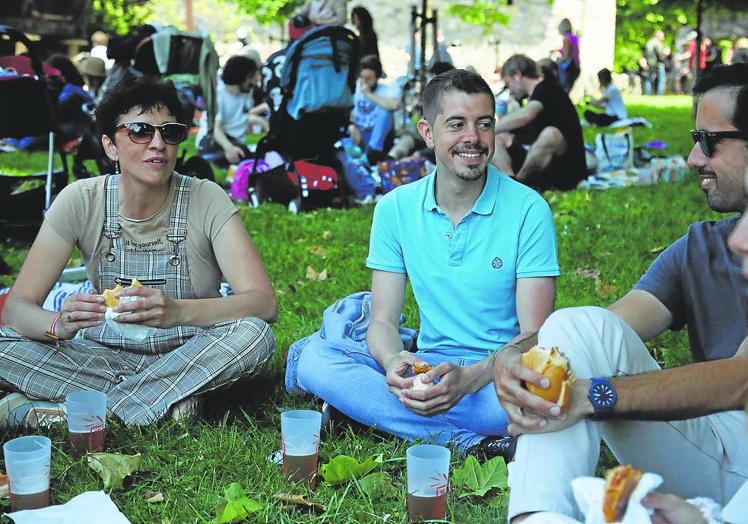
529 386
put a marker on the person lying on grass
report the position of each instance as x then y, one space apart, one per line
177 236
479 250
684 423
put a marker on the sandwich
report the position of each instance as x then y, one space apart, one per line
110 300
418 369
619 484
552 364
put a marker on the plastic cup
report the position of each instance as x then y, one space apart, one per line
428 482
27 462
86 421
300 432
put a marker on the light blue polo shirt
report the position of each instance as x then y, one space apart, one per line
465 278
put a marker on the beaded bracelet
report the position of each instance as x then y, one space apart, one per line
51 332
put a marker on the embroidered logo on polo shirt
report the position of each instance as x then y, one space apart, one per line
497 263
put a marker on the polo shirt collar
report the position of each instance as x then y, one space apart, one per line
486 201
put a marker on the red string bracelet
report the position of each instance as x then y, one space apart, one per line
52 330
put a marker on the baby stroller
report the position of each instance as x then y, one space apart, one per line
27 105
173 52
318 78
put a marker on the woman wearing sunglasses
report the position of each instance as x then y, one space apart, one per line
178 236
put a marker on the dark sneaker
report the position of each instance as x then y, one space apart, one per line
336 422
490 447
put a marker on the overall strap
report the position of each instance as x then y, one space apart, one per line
177 230
111 222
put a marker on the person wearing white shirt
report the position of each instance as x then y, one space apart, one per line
611 101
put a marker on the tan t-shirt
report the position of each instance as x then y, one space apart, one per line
78 214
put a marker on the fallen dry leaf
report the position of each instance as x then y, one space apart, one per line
586 272
605 290
4 494
317 250
153 497
299 501
312 274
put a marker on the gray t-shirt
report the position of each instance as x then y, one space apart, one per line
699 280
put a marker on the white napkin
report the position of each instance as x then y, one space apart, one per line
91 507
134 332
736 510
588 491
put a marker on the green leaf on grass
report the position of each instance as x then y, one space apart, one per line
235 506
343 468
378 486
475 480
113 468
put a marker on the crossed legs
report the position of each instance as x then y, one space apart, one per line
534 168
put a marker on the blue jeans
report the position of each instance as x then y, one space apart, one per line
349 378
374 137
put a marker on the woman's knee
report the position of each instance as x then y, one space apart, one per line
255 338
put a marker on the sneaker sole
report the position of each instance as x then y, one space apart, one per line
8 405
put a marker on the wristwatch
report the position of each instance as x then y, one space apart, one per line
603 397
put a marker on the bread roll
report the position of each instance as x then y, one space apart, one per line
555 366
110 300
619 484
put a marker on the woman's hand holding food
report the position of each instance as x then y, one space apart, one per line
152 308
79 312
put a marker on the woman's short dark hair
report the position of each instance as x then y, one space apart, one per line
237 69
455 80
371 62
135 91
605 77
67 68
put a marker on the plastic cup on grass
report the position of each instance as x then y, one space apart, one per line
428 482
86 421
27 463
300 434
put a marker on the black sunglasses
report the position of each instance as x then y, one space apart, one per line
143 132
707 140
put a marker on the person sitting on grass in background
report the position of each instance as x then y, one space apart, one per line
410 144
178 236
541 144
611 101
235 112
479 250
684 423
372 120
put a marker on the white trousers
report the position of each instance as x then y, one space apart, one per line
705 456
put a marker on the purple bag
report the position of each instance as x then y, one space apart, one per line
240 185
394 174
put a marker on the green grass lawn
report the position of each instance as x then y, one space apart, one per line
606 240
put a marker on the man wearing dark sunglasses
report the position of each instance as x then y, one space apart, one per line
685 423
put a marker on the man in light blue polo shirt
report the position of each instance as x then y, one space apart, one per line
479 250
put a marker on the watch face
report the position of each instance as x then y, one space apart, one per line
602 396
